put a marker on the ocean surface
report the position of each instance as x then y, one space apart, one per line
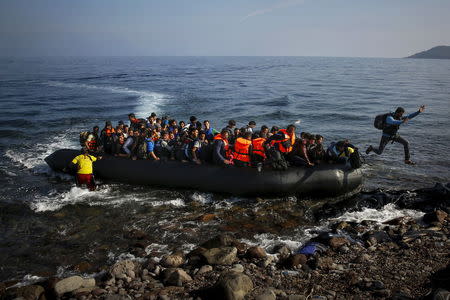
48 225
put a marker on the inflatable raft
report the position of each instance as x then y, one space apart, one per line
318 181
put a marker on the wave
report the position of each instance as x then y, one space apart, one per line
147 101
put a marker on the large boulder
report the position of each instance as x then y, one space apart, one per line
222 240
122 269
29 292
233 285
68 284
173 260
220 256
175 276
256 252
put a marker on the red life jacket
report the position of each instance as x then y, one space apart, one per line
258 147
288 139
242 150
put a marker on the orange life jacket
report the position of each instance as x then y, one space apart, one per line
109 132
242 150
219 137
282 143
258 147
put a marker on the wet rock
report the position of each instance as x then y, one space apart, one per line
337 242
222 240
256 252
207 217
88 282
295 260
373 238
69 284
30 292
220 256
237 268
234 286
175 276
121 268
267 294
204 269
283 251
83 267
137 234
173 260
98 291
438 216
397 221
83 291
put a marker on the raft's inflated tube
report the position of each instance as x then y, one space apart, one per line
321 181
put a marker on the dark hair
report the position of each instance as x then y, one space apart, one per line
232 123
206 121
318 137
399 110
274 128
256 135
131 115
264 127
290 126
152 114
252 123
193 118
224 130
95 127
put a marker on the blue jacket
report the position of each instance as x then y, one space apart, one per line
393 125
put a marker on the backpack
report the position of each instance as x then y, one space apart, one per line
277 160
380 121
141 152
355 160
83 137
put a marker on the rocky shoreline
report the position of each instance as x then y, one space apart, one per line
402 258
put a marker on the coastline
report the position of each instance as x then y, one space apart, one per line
402 258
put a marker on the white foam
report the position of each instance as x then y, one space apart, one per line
203 198
388 212
28 280
148 101
175 202
56 200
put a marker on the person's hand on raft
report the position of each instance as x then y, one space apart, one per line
226 161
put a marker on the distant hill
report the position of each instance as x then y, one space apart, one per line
439 52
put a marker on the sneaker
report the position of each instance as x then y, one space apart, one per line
369 150
409 162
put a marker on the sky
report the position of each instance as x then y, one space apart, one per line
349 28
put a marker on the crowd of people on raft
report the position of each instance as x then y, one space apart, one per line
165 139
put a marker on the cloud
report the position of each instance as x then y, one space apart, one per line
282 4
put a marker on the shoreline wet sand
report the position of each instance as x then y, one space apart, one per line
401 258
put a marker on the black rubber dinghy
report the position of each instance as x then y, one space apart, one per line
318 181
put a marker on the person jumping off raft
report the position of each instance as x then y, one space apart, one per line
390 124
84 164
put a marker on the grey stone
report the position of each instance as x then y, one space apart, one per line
204 269
220 256
173 260
121 268
234 286
175 276
68 284
267 294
